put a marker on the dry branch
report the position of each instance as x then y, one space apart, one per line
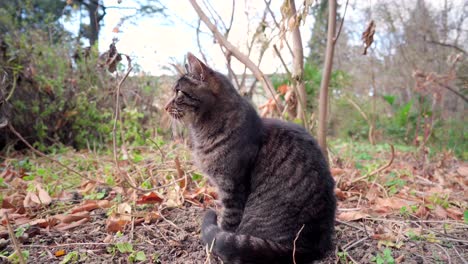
13 130
378 169
323 99
267 84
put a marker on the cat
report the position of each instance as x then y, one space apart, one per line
272 178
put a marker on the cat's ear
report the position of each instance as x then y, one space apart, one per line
196 68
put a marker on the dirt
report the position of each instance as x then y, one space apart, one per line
176 239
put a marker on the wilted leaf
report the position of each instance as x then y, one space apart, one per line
150 198
69 218
440 212
351 216
59 253
64 226
44 197
340 194
463 171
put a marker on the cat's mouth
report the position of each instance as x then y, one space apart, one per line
176 114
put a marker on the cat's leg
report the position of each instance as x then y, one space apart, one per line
233 200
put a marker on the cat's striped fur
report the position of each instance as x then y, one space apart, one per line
271 175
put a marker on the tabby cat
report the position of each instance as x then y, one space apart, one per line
272 178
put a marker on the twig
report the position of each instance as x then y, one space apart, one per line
341 24
350 225
163 155
460 256
294 245
379 169
16 244
13 130
208 251
278 25
446 253
353 244
267 85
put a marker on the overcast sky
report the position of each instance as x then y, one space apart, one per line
154 42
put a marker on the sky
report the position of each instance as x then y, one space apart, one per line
155 41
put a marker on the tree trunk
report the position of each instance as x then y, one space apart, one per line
93 22
298 68
323 100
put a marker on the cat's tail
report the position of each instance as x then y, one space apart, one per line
237 248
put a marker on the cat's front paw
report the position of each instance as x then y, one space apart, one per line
210 218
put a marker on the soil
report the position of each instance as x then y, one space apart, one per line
176 239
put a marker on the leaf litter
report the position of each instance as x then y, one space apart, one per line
412 212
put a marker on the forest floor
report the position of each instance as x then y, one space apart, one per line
401 206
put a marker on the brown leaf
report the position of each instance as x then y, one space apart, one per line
64 226
422 212
337 171
69 218
368 36
351 216
59 253
463 171
340 194
440 212
44 197
150 198
454 213
393 203
91 205
115 224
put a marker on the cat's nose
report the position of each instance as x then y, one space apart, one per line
167 106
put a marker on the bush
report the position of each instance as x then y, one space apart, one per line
56 94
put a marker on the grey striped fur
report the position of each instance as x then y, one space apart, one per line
271 176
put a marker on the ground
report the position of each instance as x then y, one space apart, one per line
405 207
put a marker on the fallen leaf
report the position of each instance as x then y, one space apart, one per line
44 196
150 198
422 212
454 213
440 212
59 253
463 171
340 194
336 171
64 226
69 218
351 216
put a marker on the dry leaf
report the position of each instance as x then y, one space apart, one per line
150 198
454 213
351 216
463 171
44 197
64 226
440 212
72 217
59 253
340 194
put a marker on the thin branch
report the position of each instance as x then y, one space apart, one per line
342 22
16 244
294 245
13 130
278 25
447 45
267 85
379 169
453 91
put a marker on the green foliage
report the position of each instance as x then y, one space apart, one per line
57 98
71 257
384 257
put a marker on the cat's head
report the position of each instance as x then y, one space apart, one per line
198 92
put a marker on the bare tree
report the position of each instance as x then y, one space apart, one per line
323 99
